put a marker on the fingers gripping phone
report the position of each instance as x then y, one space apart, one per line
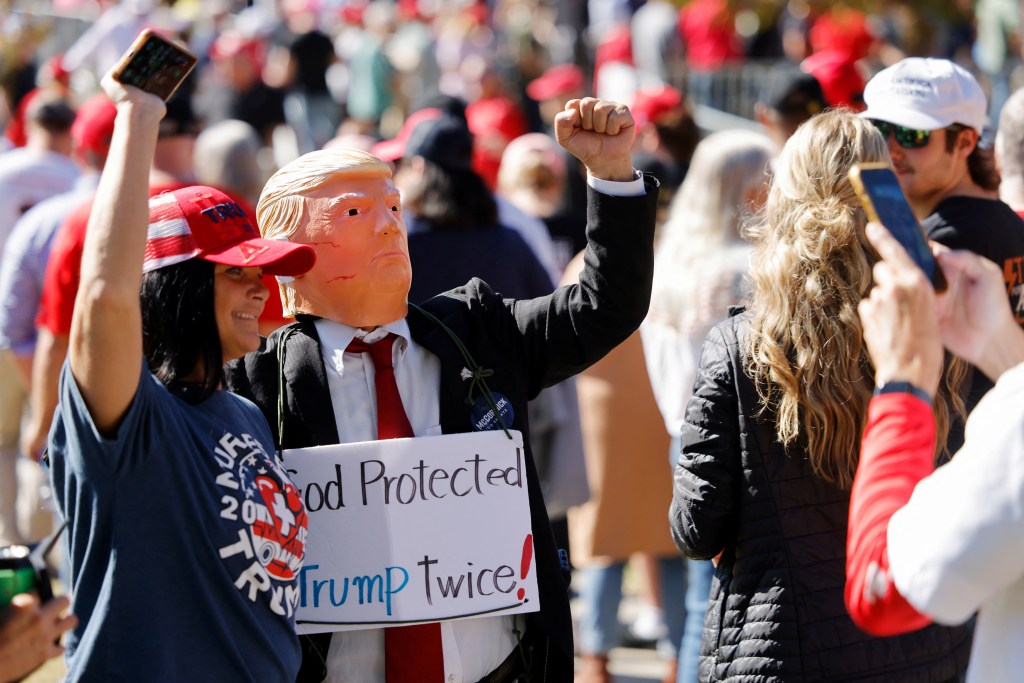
884 202
155 64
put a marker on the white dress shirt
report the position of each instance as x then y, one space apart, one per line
472 647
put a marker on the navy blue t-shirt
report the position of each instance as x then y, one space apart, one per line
185 536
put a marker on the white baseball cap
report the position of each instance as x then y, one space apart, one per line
926 94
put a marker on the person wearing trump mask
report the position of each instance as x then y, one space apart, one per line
342 202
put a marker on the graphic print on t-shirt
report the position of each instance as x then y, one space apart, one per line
279 536
272 522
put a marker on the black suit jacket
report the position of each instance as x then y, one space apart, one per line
527 344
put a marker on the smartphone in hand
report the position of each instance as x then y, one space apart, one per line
884 202
155 64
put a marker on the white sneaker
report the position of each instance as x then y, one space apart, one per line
649 624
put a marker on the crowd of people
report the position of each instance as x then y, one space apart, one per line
382 220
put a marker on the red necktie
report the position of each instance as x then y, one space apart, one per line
412 654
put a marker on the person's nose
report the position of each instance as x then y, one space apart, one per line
258 290
391 222
895 148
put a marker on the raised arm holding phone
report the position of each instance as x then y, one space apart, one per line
937 546
185 536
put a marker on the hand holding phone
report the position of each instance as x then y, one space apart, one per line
899 317
884 202
155 64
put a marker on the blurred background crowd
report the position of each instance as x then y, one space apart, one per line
304 72
459 95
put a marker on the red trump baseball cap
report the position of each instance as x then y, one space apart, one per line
203 222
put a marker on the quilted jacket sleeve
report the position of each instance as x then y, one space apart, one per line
709 471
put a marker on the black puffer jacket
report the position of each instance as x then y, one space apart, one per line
776 609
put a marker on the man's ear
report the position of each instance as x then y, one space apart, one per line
967 141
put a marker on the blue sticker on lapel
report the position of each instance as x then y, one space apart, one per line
482 417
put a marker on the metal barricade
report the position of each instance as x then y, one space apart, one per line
733 89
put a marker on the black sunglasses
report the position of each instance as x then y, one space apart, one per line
908 138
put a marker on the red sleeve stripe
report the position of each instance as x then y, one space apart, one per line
897 451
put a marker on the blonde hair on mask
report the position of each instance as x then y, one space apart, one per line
811 266
282 207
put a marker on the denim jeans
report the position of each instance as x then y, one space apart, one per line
698 585
601 594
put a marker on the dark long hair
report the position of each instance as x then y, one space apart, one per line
179 326
451 199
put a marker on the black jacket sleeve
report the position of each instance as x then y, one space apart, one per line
709 472
574 327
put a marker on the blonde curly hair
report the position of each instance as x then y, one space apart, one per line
811 266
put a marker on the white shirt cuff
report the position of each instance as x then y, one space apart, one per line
616 188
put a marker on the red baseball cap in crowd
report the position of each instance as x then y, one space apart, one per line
94 126
557 81
844 30
650 104
230 44
394 149
498 115
839 77
203 222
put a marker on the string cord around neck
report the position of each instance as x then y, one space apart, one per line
476 374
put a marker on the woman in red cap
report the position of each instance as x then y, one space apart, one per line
184 532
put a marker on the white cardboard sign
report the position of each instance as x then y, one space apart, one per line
414 530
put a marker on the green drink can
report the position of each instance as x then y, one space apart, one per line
17 575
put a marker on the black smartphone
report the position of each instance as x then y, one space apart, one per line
155 64
884 202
